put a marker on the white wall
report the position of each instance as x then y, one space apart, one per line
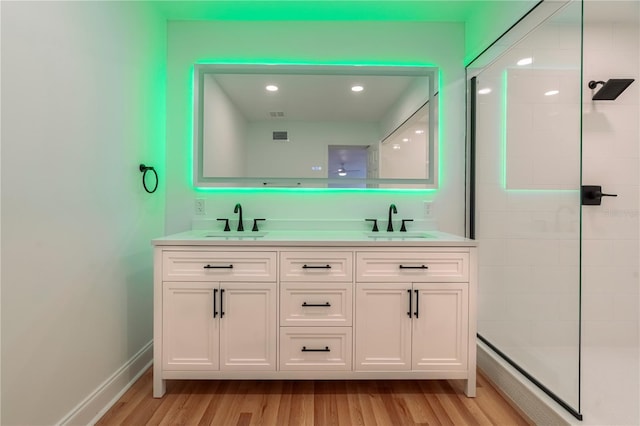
411 43
225 125
308 146
610 157
82 107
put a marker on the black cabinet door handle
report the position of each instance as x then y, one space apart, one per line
413 267
215 293
316 266
305 349
218 266
417 303
410 304
221 303
326 304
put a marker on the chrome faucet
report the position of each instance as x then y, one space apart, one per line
238 209
392 210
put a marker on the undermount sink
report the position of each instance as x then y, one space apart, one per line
235 234
399 235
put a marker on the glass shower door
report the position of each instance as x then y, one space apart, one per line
527 128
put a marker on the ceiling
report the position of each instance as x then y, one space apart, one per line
333 10
303 97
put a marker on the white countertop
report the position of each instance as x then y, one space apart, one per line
314 238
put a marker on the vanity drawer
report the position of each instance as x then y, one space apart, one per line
218 266
316 266
412 266
315 348
316 304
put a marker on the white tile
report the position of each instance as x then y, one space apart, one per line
598 252
492 253
626 307
490 198
597 307
626 253
491 279
610 333
518 279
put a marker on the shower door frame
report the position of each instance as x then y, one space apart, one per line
539 13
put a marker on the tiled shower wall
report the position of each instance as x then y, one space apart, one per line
610 282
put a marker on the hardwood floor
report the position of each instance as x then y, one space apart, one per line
318 403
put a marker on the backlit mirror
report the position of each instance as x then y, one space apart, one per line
315 126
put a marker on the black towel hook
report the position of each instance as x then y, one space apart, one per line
144 169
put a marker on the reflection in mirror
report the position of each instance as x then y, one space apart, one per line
314 126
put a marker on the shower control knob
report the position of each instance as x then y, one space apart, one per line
592 195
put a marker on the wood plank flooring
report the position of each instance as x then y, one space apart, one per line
312 403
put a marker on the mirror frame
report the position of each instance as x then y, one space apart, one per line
201 181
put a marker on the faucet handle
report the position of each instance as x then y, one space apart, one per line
375 224
255 225
403 228
226 225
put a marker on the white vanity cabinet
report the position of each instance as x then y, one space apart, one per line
316 305
214 311
294 309
411 326
413 312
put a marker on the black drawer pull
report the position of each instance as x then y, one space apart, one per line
414 267
327 304
316 267
326 349
218 266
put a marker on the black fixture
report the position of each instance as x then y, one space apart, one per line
394 210
238 209
305 349
403 228
591 195
316 266
375 224
611 89
144 169
323 305
255 225
226 224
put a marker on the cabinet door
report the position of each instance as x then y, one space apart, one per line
383 327
248 326
440 326
189 330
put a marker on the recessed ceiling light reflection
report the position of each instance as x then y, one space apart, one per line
419 132
551 93
405 139
357 88
396 146
272 88
525 61
484 91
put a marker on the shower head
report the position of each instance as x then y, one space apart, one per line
611 89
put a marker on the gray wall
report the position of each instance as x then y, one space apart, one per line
82 107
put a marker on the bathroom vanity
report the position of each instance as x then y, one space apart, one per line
314 305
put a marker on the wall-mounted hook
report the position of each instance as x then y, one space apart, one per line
144 169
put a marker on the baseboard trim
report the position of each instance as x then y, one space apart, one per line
94 406
531 401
